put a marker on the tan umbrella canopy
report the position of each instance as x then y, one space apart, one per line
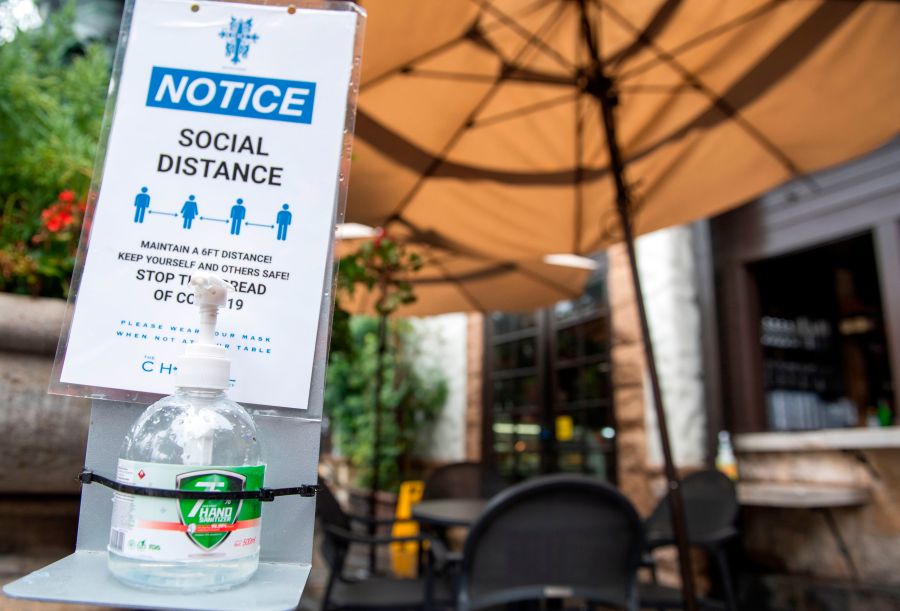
450 281
479 121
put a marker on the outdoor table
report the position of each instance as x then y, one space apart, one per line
445 513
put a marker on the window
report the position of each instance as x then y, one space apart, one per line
548 396
822 338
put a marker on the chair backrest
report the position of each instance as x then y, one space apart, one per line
463 480
557 536
710 507
330 513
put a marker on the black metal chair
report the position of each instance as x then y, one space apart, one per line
711 510
463 480
374 592
551 538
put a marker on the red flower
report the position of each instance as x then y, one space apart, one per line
57 216
66 197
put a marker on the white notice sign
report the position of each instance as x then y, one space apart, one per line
224 156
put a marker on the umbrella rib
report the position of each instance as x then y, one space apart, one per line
599 29
662 89
426 55
480 274
579 174
462 289
450 76
532 39
719 102
410 155
466 124
513 74
432 238
525 110
656 25
702 38
566 293
525 11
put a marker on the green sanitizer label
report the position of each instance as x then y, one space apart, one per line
150 528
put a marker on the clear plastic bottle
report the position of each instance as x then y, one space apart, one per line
196 439
725 460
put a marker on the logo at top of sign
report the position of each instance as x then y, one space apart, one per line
238 37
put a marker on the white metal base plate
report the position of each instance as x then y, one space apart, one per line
84 578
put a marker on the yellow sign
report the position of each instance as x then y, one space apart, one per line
564 428
405 555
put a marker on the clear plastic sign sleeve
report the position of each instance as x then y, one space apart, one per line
226 149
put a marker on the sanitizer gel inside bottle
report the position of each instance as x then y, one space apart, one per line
196 439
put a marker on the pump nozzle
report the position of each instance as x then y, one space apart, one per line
210 293
205 364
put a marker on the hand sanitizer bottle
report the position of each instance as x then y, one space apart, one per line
199 440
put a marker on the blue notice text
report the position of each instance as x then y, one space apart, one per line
231 94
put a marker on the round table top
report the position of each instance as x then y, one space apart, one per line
449 512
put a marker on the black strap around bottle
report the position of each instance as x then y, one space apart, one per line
263 494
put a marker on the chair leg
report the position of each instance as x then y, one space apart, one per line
725 573
326 599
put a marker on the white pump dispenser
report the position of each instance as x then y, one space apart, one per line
196 439
205 364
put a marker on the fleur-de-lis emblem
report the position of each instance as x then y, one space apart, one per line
238 37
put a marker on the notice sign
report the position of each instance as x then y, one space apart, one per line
224 156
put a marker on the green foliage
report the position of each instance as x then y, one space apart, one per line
410 399
383 265
52 95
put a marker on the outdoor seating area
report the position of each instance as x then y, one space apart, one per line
571 541
439 305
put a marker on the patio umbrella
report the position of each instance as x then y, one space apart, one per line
516 128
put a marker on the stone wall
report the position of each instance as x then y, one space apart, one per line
44 435
858 543
634 472
44 438
667 271
474 388
665 262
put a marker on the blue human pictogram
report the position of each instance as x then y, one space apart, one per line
238 212
141 203
238 37
283 219
188 212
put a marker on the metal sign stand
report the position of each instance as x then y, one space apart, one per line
287 536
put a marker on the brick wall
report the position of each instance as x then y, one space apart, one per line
474 375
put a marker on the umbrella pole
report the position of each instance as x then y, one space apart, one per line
376 433
623 204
